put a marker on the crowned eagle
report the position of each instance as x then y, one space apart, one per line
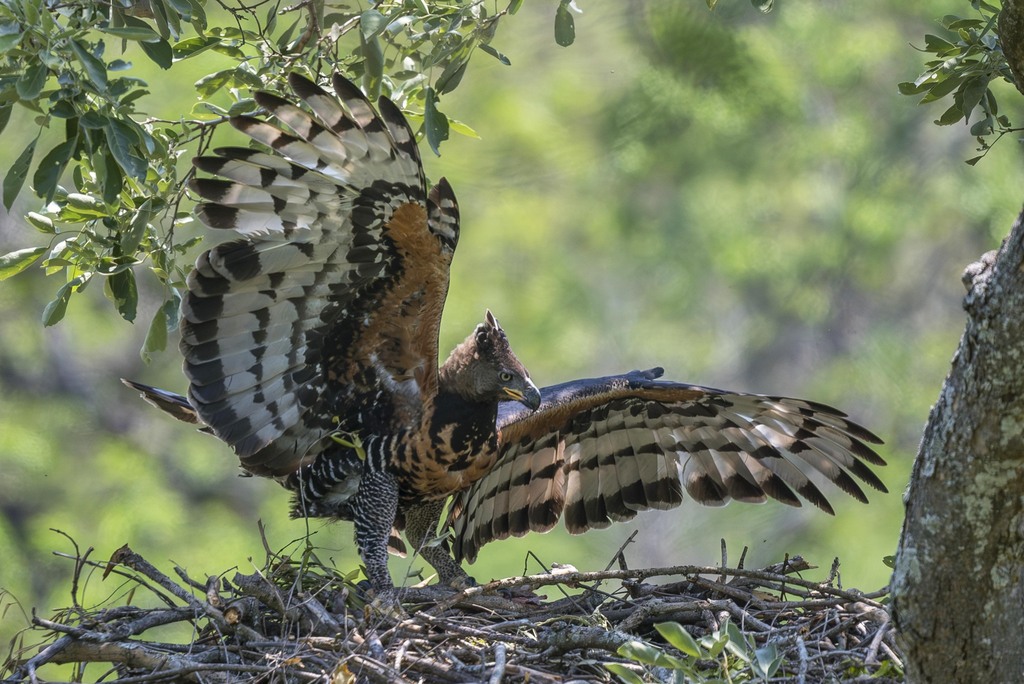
310 346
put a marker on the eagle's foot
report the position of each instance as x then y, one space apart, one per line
462 581
386 605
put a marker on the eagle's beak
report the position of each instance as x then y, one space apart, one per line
529 397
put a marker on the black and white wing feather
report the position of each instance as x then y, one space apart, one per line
331 299
599 451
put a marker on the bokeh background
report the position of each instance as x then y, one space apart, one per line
744 199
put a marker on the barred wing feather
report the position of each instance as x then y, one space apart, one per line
599 451
334 292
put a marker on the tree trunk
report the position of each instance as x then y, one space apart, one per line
958 588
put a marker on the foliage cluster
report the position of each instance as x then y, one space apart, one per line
735 656
963 67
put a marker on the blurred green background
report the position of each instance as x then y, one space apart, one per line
741 198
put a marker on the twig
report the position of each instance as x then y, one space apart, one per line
801 649
498 673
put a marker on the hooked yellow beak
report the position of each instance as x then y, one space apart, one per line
529 397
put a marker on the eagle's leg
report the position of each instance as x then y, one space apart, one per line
375 506
421 529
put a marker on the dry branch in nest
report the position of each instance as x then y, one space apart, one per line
299 620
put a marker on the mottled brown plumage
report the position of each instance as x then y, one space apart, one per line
317 330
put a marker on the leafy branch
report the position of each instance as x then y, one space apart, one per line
964 67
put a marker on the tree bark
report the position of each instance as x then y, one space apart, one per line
958 587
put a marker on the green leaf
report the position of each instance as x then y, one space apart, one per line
122 139
973 91
5 116
270 23
110 177
283 43
160 52
955 23
87 205
711 4
56 309
17 174
160 17
908 88
191 47
714 643
462 129
939 90
764 6
565 25
207 111
373 64
246 105
451 76
156 336
624 673
51 168
497 55
131 237
982 127
674 634
122 290
950 116
435 123
371 23
141 33
933 43
95 69
640 652
514 6
9 41
766 661
211 83
182 8
736 642
13 263
44 224
166 10
32 81
93 120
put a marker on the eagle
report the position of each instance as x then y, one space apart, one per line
310 344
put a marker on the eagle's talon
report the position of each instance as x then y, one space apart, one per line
386 605
463 582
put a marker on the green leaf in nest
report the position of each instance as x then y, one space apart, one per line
674 634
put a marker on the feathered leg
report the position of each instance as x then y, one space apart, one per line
421 529
375 506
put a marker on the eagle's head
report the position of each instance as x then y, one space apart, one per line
484 368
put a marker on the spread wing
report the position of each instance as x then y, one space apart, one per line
598 451
331 300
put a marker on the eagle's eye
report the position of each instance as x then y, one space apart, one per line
505 376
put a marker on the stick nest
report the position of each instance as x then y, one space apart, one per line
299 620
